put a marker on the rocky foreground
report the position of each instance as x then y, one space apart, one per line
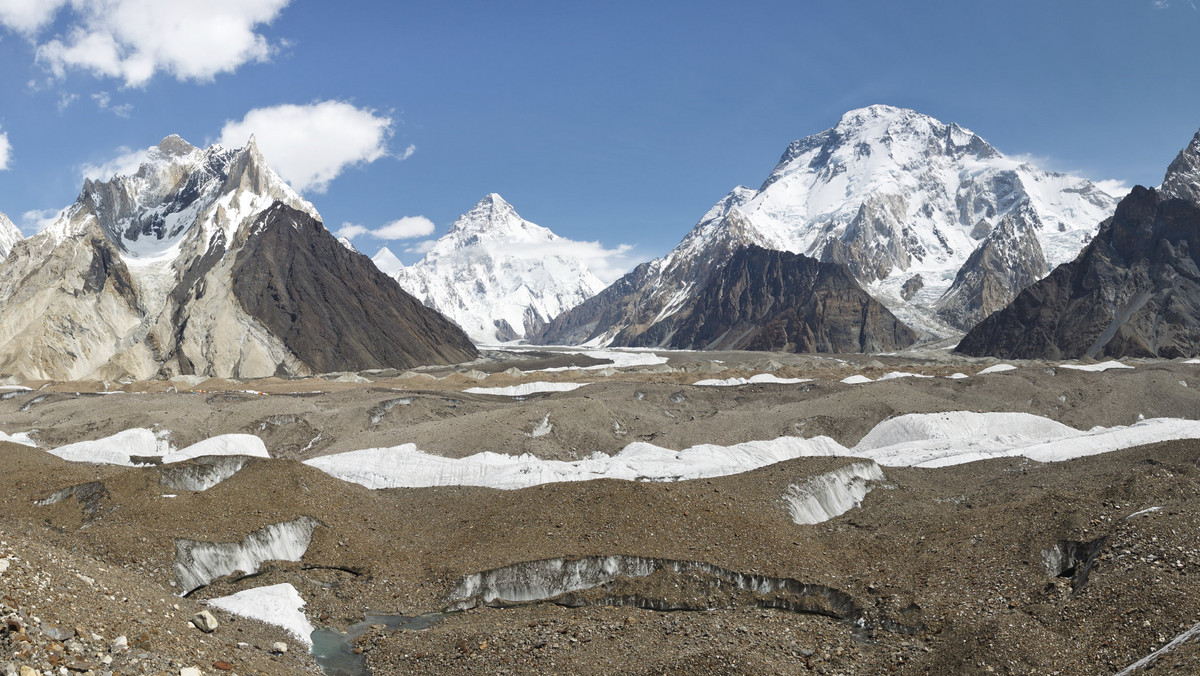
1000 566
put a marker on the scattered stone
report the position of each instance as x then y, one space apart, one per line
279 647
119 644
205 621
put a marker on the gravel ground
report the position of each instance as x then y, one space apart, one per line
946 569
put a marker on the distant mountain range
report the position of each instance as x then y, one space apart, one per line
1134 291
935 223
204 262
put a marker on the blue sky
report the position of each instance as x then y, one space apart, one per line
614 122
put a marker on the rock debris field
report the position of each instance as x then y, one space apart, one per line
609 512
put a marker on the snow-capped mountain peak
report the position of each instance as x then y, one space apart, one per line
902 199
387 262
498 275
9 235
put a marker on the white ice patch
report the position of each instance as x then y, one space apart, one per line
525 389
942 439
278 604
18 438
958 376
856 379
543 428
406 467
198 563
761 378
998 368
1102 366
122 447
914 440
901 374
619 358
820 498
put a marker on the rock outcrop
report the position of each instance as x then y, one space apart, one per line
1134 291
782 302
137 280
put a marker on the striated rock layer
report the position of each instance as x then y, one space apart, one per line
777 301
137 279
1133 292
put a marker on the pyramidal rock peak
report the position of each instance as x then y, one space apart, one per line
387 262
917 209
499 276
145 275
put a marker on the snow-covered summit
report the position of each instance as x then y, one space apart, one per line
9 235
387 262
499 276
179 190
935 222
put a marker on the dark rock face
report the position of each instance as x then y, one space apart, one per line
778 301
332 307
1134 291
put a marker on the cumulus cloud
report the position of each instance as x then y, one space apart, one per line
309 145
351 230
408 227
401 228
28 16
5 151
126 162
133 39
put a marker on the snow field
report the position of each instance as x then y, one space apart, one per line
278 604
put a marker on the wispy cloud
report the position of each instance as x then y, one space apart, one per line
5 151
132 40
37 220
65 100
125 162
421 248
104 102
310 145
607 264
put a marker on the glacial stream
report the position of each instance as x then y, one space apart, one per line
334 650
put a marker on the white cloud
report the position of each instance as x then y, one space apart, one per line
351 230
607 264
38 220
65 100
401 228
125 163
421 248
405 228
28 16
310 145
134 39
1114 187
104 102
5 151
